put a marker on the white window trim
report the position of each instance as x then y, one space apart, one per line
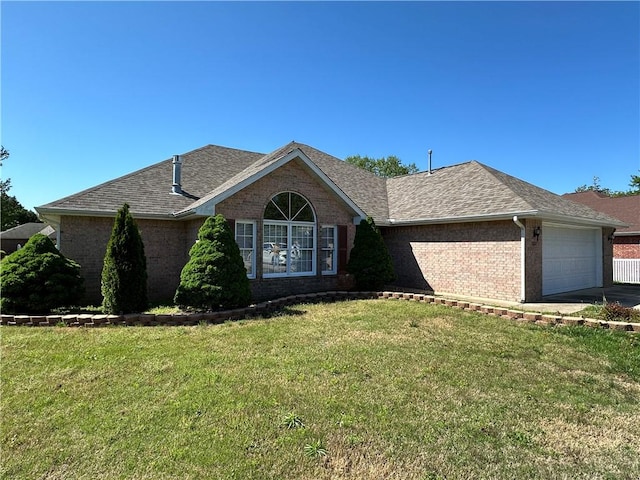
253 246
314 250
334 270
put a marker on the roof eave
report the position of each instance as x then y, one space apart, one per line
60 212
461 219
506 216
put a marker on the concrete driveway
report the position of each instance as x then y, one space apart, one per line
569 302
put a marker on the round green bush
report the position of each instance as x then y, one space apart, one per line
38 278
215 277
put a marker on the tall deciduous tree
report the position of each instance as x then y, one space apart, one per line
13 213
369 260
215 276
596 187
390 166
124 273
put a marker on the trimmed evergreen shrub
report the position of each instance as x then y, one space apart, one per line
38 278
215 276
369 260
124 273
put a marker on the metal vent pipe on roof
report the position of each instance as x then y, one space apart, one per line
430 152
176 187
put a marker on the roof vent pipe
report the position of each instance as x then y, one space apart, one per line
430 152
176 187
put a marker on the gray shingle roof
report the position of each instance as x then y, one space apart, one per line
471 190
465 191
27 230
148 191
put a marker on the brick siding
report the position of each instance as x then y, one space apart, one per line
476 259
249 204
84 239
626 247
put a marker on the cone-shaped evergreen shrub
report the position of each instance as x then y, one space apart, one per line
369 260
215 276
38 278
124 273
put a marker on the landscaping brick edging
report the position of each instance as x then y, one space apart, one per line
271 306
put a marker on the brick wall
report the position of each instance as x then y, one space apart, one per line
626 247
249 204
475 259
533 260
84 239
607 258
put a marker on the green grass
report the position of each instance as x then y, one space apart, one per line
355 390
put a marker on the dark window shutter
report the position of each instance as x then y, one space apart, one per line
342 248
232 226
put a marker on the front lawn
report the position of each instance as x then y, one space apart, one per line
360 390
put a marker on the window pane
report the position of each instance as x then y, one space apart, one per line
326 260
244 239
274 249
272 212
328 248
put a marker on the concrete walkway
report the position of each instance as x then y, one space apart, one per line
571 302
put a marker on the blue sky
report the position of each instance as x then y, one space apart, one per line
546 91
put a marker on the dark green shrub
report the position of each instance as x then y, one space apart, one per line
369 261
124 273
215 276
38 278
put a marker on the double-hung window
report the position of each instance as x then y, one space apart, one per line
328 253
289 236
246 240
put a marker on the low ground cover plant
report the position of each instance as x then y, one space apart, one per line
611 312
357 390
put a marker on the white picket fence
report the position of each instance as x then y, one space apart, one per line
626 270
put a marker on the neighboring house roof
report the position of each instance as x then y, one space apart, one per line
465 192
626 209
26 231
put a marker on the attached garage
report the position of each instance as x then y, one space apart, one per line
571 258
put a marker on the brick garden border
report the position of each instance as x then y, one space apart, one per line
273 306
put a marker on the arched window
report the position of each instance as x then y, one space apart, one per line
289 236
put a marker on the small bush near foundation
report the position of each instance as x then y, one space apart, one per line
369 261
124 274
617 313
215 276
38 278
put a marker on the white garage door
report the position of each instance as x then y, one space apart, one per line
571 258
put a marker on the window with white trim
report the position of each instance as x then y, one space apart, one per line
289 236
328 255
246 240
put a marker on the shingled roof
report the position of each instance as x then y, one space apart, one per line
465 192
626 209
473 191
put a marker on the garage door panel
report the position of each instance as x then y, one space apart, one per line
570 259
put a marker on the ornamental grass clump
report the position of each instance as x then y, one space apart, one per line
124 273
215 277
38 278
